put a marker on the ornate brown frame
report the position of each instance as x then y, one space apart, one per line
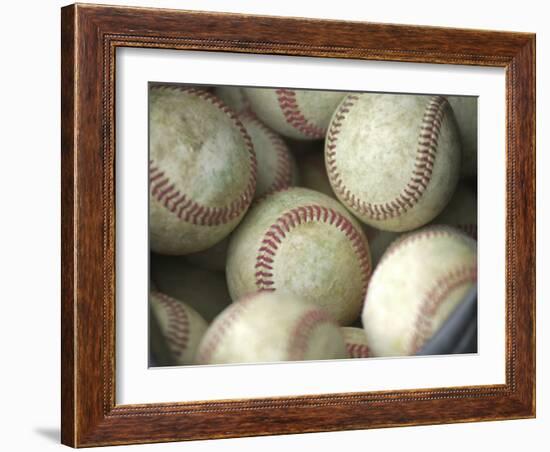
90 35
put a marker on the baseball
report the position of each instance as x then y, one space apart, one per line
393 160
465 111
304 244
294 113
268 327
418 283
203 290
276 166
461 211
356 342
181 329
202 170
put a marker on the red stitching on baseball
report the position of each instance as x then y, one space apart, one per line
357 350
304 214
177 331
187 209
283 172
420 177
433 299
220 327
297 345
293 115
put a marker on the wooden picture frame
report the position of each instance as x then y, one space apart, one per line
90 36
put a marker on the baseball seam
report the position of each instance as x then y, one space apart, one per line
298 341
187 209
434 298
219 329
178 329
424 161
357 350
278 231
293 115
283 172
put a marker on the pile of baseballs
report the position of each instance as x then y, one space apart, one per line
291 224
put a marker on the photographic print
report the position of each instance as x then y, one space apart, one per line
290 224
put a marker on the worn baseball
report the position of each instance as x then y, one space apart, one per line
393 160
268 327
203 290
465 111
276 166
303 244
202 170
181 328
356 342
421 279
294 113
234 97
461 212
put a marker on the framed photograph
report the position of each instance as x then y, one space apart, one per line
281 225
